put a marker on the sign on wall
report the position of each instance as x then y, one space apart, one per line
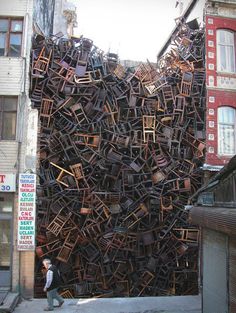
7 182
226 82
26 212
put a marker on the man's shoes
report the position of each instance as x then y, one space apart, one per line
48 309
60 304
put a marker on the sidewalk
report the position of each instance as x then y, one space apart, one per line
183 304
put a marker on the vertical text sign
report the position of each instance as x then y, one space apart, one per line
26 212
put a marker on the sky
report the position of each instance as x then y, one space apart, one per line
135 29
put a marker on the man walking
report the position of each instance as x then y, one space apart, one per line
52 284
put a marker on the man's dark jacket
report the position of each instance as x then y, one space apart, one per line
56 280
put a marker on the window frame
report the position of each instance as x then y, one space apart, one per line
8 33
219 56
2 100
219 132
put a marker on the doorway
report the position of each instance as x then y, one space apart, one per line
6 209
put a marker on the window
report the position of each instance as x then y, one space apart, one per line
5 244
226 131
225 51
8 114
6 203
10 36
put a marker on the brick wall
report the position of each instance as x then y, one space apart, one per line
221 87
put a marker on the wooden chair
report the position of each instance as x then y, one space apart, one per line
186 84
80 179
63 175
149 125
46 112
188 235
134 217
40 66
67 247
79 113
58 222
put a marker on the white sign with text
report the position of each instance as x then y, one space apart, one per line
26 212
7 182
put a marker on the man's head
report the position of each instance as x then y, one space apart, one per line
46 263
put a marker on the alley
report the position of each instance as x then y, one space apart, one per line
181 304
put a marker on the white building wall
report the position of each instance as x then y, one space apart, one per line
8 156
11 76
14 80
15 8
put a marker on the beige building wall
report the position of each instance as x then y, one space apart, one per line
65 18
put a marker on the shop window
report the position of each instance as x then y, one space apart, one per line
225 51
6 209
10 36
6 203
5 244
226 131
8 115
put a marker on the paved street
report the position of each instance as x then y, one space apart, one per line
183 304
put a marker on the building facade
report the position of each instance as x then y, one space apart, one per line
220 28
214 209
54 17
18 135
215 213
18 132
220 21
